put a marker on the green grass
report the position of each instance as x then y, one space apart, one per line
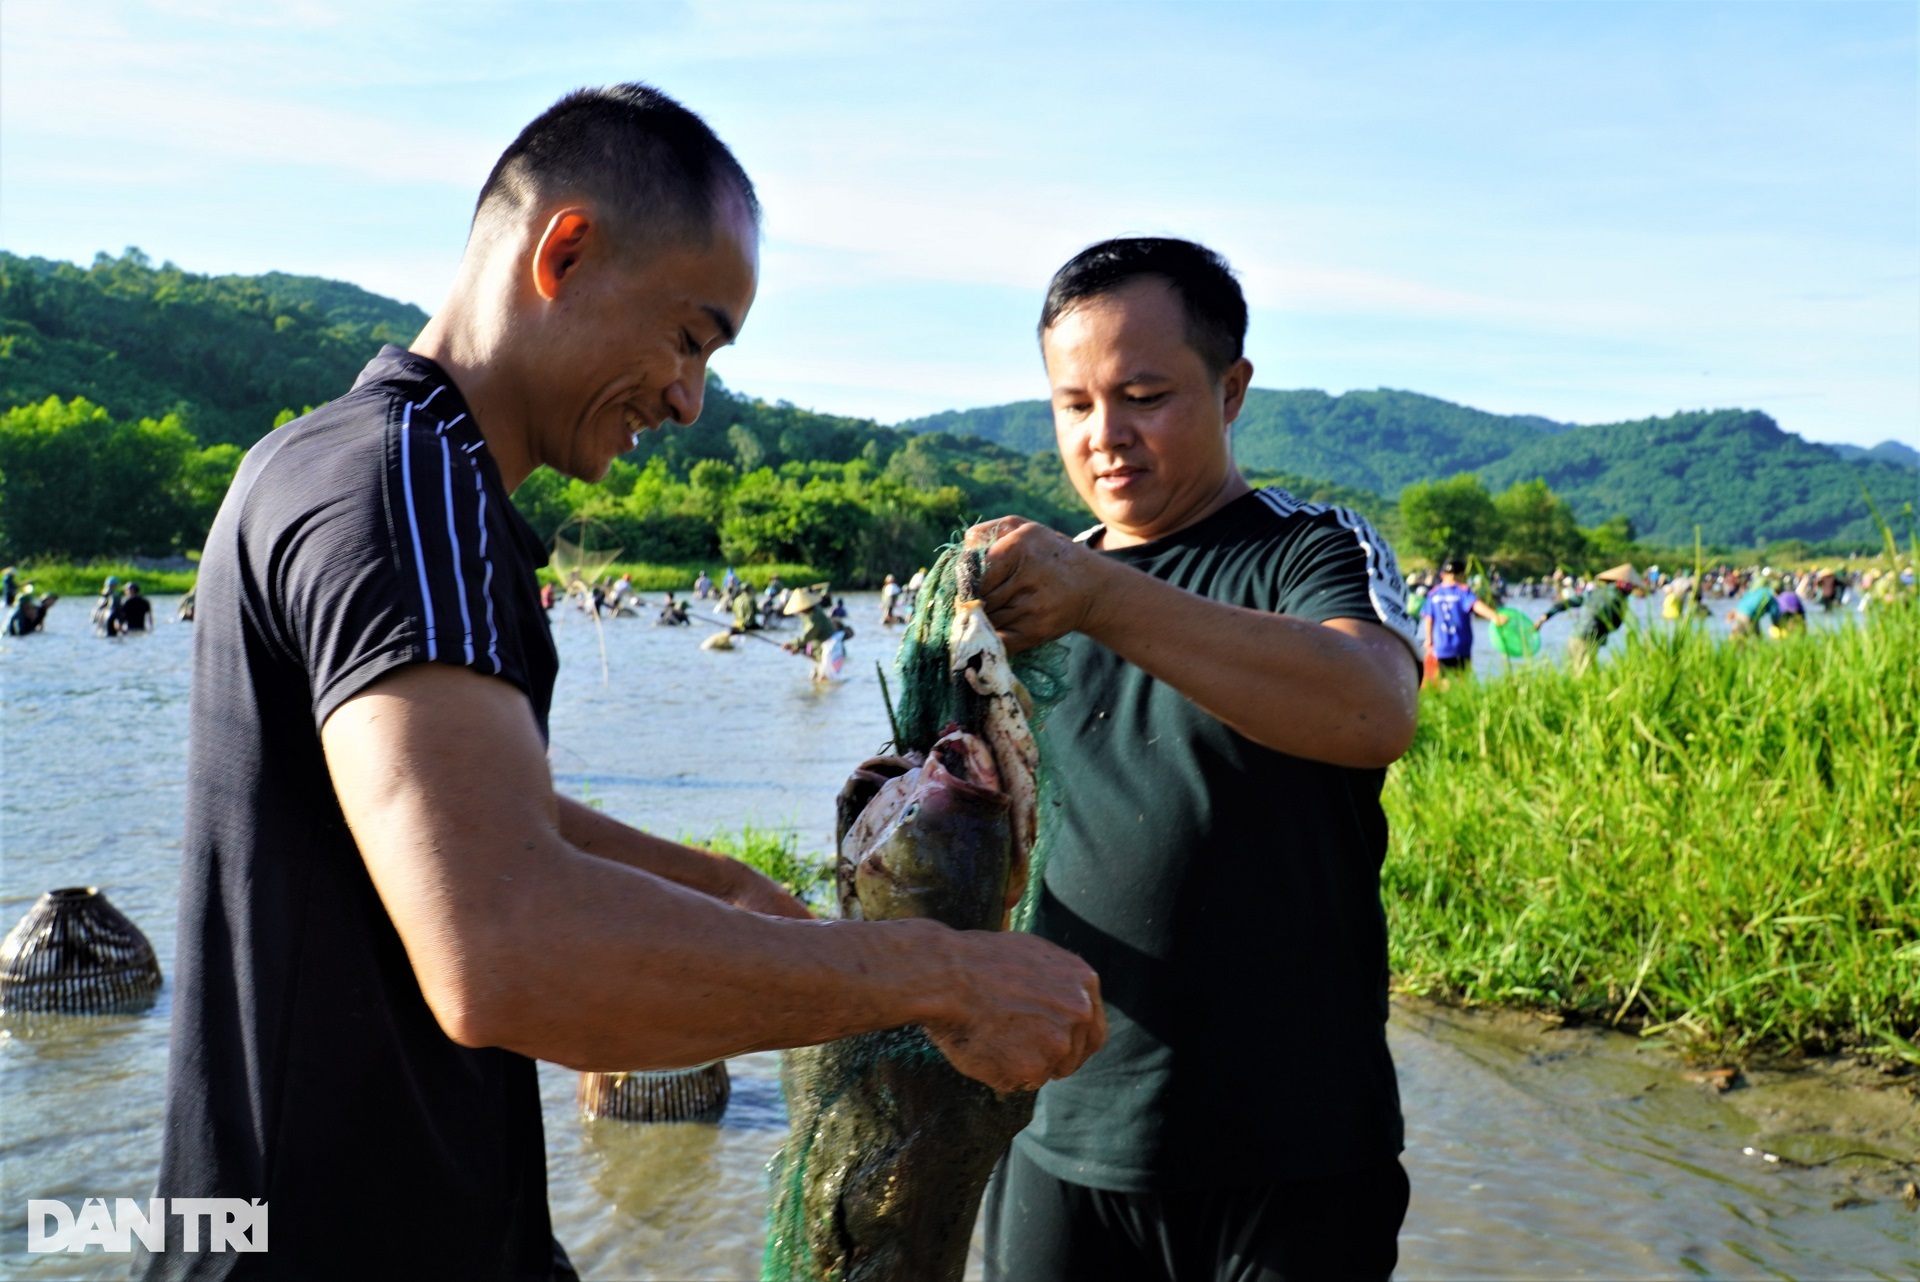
69 580
654 577
1718 842
776 852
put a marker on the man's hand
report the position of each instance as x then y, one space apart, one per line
1040 585
1028 1011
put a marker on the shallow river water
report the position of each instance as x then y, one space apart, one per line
1551 1155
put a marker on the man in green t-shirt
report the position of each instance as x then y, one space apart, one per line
1241 671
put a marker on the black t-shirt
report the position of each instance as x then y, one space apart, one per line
1227 894
135 613
306 1068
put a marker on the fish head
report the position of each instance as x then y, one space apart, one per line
946 847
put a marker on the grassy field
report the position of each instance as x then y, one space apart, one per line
1717 842
69 580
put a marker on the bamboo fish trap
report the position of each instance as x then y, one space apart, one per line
76 954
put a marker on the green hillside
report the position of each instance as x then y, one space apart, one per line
1886 451
187 366
127 391
1734 471
1379 441
225 353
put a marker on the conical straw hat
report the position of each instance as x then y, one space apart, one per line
1622 573
799 601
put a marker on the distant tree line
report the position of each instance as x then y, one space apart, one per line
77 483
129 390
764 483
1526 530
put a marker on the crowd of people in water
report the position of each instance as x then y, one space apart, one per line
1763 601
119 609
740 609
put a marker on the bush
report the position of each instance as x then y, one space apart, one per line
76 483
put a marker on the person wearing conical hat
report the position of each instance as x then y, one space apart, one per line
805 602
1603 608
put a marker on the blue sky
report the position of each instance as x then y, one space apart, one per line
1588 211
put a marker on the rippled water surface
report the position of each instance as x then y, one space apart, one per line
1592 1160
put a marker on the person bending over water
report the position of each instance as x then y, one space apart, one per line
1603 609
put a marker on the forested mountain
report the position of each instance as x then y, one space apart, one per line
1735 472
1379 441
128 390
1886 451
224 353
176 369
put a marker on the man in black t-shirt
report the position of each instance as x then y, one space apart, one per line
1241 670
136 612
386 912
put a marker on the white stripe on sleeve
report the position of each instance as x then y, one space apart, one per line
486 586
453 541
413 522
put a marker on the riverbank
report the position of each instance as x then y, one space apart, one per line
653 576
1710 841
64 578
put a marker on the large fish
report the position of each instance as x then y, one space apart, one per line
891 1147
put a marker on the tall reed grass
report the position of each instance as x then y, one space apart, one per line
1715 841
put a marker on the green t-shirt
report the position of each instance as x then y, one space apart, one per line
819 626
1227 894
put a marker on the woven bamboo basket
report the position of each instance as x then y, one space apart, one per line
691 1095
76 954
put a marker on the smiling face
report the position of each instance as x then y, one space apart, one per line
1142 423
625 339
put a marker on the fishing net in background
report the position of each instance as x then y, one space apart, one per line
868 1098
574 564
578 568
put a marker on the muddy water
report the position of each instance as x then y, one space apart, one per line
1534 1154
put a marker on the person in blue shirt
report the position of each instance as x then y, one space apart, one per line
1446 619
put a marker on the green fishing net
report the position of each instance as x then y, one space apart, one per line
931 698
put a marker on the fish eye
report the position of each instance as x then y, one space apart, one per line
910 811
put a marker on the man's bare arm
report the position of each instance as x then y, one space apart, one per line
1345 691
521 940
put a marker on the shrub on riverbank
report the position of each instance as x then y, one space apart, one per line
1715 840
74 581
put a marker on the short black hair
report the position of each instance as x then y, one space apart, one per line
1216 309
657 167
